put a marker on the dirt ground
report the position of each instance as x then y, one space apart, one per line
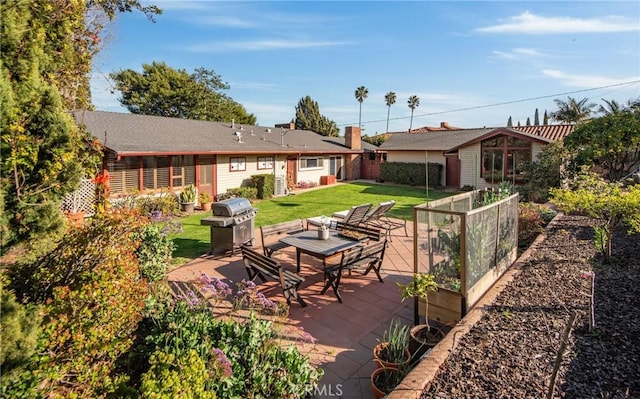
512 350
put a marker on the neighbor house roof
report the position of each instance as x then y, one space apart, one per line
448 140
551 132
131 134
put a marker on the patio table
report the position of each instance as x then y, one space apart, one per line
307 242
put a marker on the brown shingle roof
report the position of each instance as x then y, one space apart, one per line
129 134
446 140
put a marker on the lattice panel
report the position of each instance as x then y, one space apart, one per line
81 200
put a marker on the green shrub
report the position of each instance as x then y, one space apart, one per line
250 193
264 185
410 173
166 203
20 325
92 297
154 252
243 356
172 376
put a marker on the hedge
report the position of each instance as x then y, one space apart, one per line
264 184
411 173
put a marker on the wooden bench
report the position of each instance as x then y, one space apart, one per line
371 232
369 256
267 233
263 267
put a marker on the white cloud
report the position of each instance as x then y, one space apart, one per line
528 23
588 81
260 45
252 85
224 21
518 53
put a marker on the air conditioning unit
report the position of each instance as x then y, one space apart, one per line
280 186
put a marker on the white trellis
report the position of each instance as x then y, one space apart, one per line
81 200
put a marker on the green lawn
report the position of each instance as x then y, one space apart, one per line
194 240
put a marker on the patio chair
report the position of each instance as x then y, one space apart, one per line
355 215
378 218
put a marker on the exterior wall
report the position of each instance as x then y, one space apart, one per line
470 166
227 178
536 148
313 175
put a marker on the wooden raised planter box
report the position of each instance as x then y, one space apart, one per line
327 180
444 306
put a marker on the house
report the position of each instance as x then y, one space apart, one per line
475 157
146 153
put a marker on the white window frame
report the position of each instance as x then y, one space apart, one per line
302 164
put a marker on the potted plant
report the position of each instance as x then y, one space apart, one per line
422 336
188 198
386 379
205 201
393 351
75 214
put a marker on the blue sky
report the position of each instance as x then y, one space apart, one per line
459 58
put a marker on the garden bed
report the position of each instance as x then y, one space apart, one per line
510 351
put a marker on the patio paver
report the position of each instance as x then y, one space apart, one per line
346 333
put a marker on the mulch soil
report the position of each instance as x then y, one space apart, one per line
512 350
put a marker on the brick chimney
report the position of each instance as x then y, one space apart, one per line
290 125
352 137
444 125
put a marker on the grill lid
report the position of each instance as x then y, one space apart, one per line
231 207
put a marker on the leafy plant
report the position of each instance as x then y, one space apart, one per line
204 197
610 202
165 203
396 339
188 194
242 355
92 298
154 252
420 287
389 378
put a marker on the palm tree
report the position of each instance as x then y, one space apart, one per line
573 111
611 107
361 94
390 99
413 102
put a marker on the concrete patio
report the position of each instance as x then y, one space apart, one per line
345 333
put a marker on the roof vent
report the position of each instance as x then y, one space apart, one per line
268 130
252 132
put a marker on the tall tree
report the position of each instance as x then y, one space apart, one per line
573 111
536 118
46 60
612 106
389 99
545 118
509 122
413 102
361 94
528 121
165 91
611 142
308 117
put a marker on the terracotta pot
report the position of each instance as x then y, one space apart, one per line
76 219
379 391
380 363
206 206
422 338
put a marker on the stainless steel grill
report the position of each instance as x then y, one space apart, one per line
232 225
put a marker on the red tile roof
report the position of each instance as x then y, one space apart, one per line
550 132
